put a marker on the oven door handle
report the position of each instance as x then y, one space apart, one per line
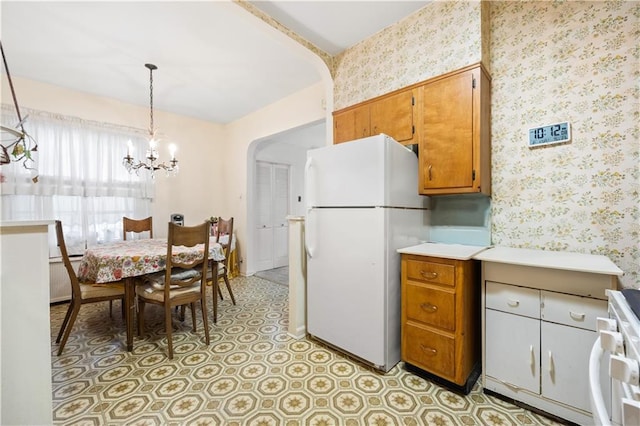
598 407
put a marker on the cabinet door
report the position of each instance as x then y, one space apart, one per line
393 116
351 124
512 348
447 146
565 363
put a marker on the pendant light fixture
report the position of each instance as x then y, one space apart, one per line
152 152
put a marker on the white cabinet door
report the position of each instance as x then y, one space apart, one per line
565 362
512 349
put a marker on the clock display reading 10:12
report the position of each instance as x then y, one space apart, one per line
550 134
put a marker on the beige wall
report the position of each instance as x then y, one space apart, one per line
294 111
550 61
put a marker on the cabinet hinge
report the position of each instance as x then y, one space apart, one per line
473 82
473 175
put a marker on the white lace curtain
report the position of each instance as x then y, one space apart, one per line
81 179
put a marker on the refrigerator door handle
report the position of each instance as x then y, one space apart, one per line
310 196
308 233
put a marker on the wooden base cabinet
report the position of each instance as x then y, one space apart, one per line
539 324
440 318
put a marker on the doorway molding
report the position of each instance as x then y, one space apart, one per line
254 148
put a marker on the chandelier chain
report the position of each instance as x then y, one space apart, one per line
151 130
152 154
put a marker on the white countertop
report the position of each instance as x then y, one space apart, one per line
581 262
448 251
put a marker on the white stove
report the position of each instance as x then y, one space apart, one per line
619 346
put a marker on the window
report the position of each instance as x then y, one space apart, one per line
81 180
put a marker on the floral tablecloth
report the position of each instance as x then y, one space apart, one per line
115 261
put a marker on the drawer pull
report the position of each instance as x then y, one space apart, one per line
513 303
429 274
428 307
428 350
577 316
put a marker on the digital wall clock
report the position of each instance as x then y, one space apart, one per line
549 134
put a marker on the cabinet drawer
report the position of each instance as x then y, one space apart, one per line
437 273
571 310
430 351
513 299
431 306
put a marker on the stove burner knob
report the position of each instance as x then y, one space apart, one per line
611 341
624 369
608 324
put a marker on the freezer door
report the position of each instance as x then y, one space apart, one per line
346 280
373 171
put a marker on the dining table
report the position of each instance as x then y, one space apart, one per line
129 261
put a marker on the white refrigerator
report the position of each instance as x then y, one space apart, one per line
362 205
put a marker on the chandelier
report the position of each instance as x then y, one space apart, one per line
15 143
152 153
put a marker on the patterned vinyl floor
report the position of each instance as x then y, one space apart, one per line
252 373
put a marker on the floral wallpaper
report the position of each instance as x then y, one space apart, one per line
576 62
441 37
550 61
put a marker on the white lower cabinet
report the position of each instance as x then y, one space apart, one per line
513 350
530 353
539 324
565 358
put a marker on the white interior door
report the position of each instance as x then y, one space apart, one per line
280 213
272 233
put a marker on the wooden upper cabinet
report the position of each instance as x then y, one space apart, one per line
393 115
455 127
350 124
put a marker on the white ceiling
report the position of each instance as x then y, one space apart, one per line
215 61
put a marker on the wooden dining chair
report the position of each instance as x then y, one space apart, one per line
137 226
181 283
82 293
223 236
